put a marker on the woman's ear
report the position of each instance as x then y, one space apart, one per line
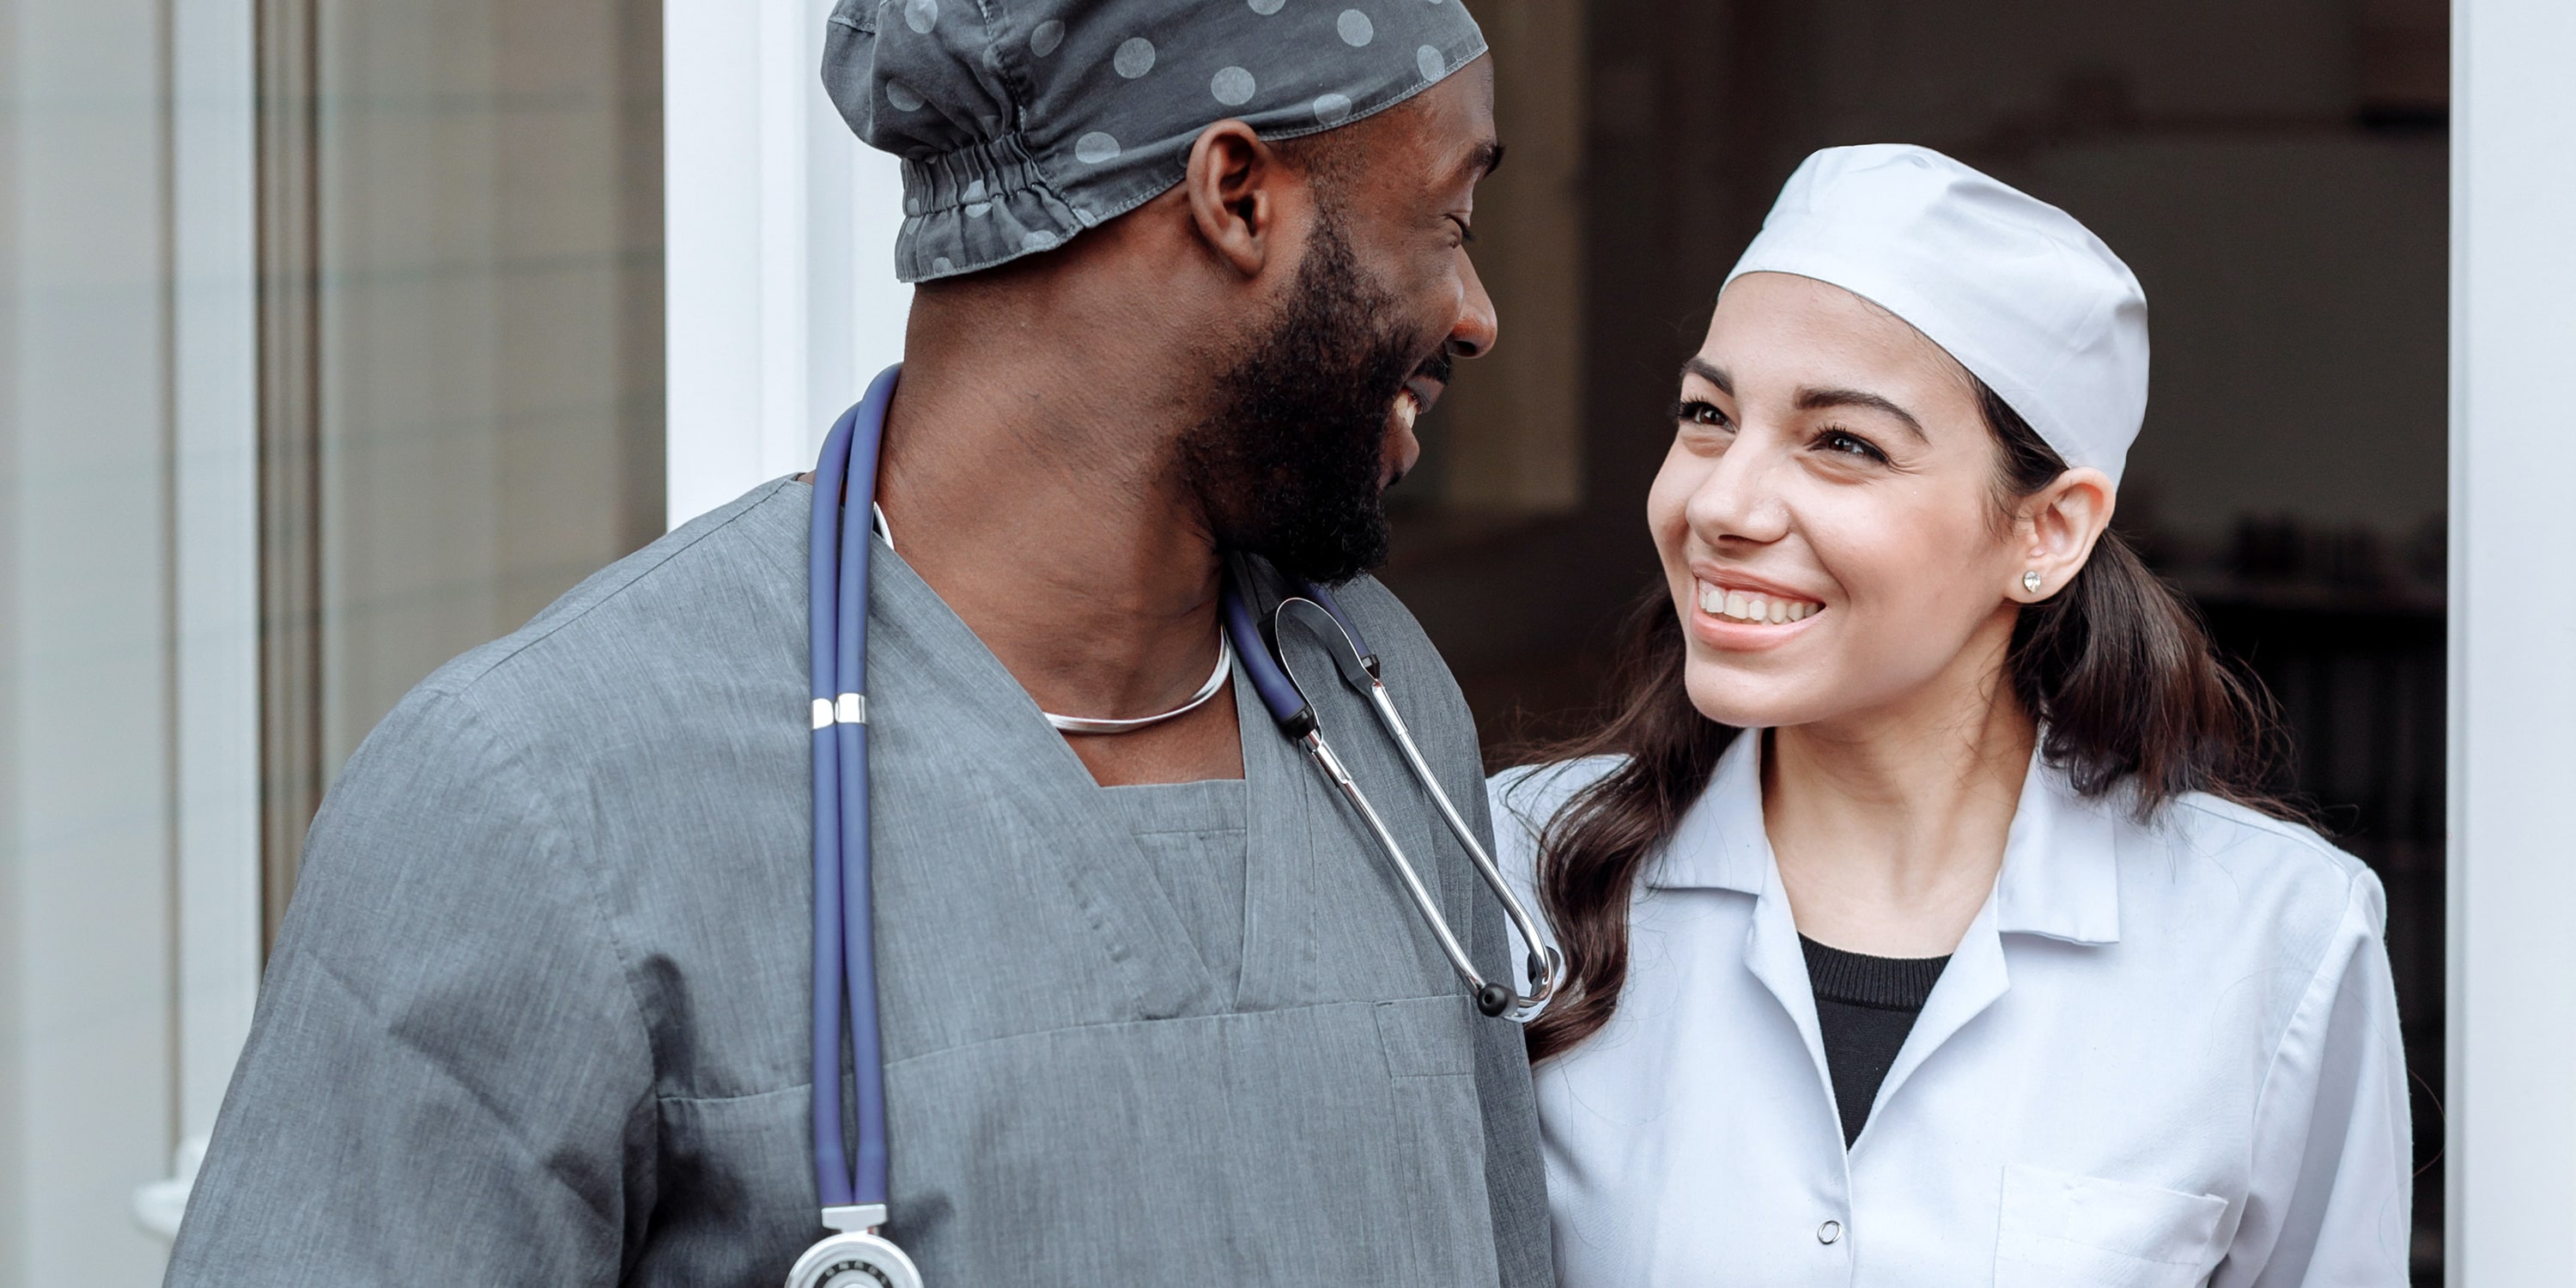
2060 524
1232 182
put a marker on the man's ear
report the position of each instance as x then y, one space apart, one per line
2063 521
1233 184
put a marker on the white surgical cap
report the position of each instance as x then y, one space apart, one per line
2016 290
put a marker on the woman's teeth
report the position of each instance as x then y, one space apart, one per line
1717 601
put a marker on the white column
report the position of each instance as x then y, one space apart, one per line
779 233
215 555
87 840
2512 1112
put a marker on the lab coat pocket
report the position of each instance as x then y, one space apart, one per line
2060 1230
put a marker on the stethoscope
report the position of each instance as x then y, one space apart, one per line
854 1196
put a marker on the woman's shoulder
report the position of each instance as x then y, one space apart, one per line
2269 871
1527 796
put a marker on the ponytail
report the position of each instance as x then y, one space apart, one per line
2129 690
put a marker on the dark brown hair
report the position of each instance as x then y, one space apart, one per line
2130 692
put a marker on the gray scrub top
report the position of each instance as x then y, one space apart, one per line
540 1011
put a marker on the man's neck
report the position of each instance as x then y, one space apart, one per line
1038 500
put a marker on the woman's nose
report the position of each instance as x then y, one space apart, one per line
1738 500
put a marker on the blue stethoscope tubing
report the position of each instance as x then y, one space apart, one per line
845 976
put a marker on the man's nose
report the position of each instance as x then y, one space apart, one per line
1472 332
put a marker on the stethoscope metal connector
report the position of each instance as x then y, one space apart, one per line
856 1257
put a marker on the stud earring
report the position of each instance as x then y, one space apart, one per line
2030 581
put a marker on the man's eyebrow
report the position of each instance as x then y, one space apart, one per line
1712 373
1813 399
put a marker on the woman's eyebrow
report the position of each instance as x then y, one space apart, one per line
1712 373
1813 399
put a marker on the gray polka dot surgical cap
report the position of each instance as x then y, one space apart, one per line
1022 122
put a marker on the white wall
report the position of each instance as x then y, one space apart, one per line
779 227
88 836
129 861
2512 1159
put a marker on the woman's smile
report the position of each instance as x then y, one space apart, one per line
1739 615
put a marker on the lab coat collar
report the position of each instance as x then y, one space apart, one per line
1720 843
2060 875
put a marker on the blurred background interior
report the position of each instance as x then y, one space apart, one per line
448 403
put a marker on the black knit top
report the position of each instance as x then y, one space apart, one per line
1865 1005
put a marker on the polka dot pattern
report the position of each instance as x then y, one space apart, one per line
1072 112
1134 58
1232 86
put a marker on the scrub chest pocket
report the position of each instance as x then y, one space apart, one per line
2060 1230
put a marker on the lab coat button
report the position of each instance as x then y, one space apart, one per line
1829 1232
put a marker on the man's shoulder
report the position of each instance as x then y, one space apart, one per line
697 612
1388 624
1416 675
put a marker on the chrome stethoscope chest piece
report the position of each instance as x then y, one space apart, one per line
854 1259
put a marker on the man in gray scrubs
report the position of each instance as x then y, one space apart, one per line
1154 1008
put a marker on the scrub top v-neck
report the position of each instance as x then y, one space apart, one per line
1192 836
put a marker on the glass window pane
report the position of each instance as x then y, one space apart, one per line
488 345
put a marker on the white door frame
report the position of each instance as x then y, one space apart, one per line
214 568
2511 1137
778 227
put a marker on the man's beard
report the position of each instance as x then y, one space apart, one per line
1290 468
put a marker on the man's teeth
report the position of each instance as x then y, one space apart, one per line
1718 601
1407 407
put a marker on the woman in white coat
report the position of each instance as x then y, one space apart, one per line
1928 925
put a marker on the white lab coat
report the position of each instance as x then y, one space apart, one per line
2163 1055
